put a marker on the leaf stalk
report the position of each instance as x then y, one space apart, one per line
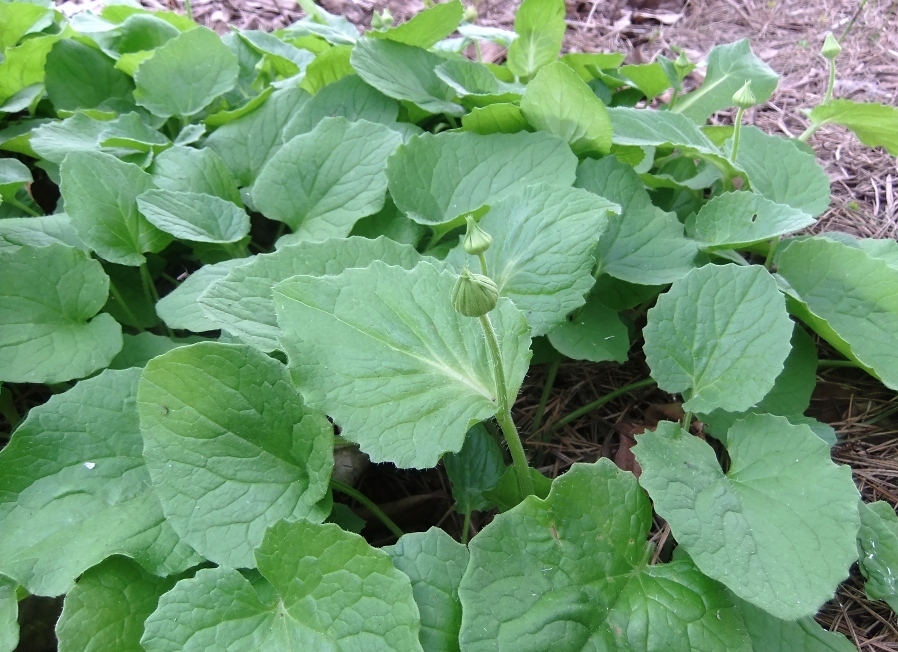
368 504
503 415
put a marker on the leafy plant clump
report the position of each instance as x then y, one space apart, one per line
375 231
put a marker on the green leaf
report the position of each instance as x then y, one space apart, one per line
16 232
129 131
350 98
437 178
100 195
778 529
9 610
54 140
341 333
49 297
340 594
720 335
885 249
737 219
803 635
782 172
194 216
426 28
540 27
476 84
179 308
286 60
242 303
75 490
230 447
496 118
541 256
791 393
595 333
404 72
729 68
849 298
581 555
649 78
18 19
641 128
23 66
474 470
391 223
434 562
246 144
507 492
559 102
108 606
182 168
328 67
13 175
143 347
588 65
875 125
322 182
643 244
81 77
186 74
877 543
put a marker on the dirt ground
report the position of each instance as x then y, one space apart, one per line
787 34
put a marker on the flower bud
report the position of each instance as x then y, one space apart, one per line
744 98
470 14
476 239
682 62
831 47
474 295
381 20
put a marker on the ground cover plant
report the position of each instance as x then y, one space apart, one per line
376 229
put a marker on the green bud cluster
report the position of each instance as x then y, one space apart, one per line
474 295
744 98
831 47
476 239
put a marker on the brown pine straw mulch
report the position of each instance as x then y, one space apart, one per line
787 34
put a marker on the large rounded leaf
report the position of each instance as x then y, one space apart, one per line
321 589
74 490
382 351
570 573
230 447
778 528
49 297
720 335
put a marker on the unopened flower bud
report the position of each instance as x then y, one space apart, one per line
470 14
474 295
476 239
382 20
744 98
682 61
831 47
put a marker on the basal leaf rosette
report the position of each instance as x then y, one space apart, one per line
381 350
720 335
318 588
571 573
778 528
231 448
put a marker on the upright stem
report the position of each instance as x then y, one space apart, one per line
466 527
544 399
503 415
148 287
22 207
124 306
369 505
832 82
188 9
771 252
576 414
483 267
737 132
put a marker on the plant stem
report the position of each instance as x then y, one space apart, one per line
810 131
576 414
673 100
503 415
771 251
737 132
8 408
837 363
832 82
466 527
853 18
188 9
23 207
687 420
479 52
483 267
124 306
547 389
148 288
370 506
